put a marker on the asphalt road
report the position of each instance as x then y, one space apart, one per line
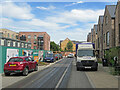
62 74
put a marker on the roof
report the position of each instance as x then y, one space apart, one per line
101 19
111 9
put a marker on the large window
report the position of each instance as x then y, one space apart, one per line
107 38
35 37
85 53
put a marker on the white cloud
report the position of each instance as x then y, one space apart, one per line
74 3
46 8
12 10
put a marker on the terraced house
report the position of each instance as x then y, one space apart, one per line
100 37
106 34
109 27
117 24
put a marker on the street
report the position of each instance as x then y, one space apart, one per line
62 74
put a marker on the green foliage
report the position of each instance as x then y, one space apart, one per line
111 53
54 46
69 46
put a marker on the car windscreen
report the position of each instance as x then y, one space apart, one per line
85 53
49 55
15 60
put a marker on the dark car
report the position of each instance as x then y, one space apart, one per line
60 55
57 56
22 65
49 58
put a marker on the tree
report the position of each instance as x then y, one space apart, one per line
54 46
69 46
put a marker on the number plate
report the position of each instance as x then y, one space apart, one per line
87 67
12 65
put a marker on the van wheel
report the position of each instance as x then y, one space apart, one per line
7 74
77 69
25 72
36 68
95 69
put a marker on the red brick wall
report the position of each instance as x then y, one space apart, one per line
44 34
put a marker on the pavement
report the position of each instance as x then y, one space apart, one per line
102 78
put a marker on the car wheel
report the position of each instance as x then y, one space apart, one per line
36 68
95 69
25 72
7 74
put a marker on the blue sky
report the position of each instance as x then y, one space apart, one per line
59 19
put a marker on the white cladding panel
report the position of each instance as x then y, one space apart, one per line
85 46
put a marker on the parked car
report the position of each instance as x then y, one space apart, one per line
57 57
60 56
22 65
49 58
71 55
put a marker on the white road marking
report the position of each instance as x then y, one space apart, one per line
58 84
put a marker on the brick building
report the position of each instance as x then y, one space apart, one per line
8 34
109 27
117 24
100 36
63 43
39 40
95 36
89 37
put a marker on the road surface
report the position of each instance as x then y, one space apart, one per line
62 74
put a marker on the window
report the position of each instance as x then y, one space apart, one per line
13 36
26 45
35 37
29 36
104 38
18 44
8 35
2 42
107 39
35 47
35 42
22 45
29 41
13 43
98 42
8 42
106 20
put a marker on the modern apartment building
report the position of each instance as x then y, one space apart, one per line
117 24
39 40
8 34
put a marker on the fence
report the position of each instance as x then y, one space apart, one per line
8 52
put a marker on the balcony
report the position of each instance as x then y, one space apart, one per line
23 38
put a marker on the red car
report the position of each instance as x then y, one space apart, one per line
22 65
